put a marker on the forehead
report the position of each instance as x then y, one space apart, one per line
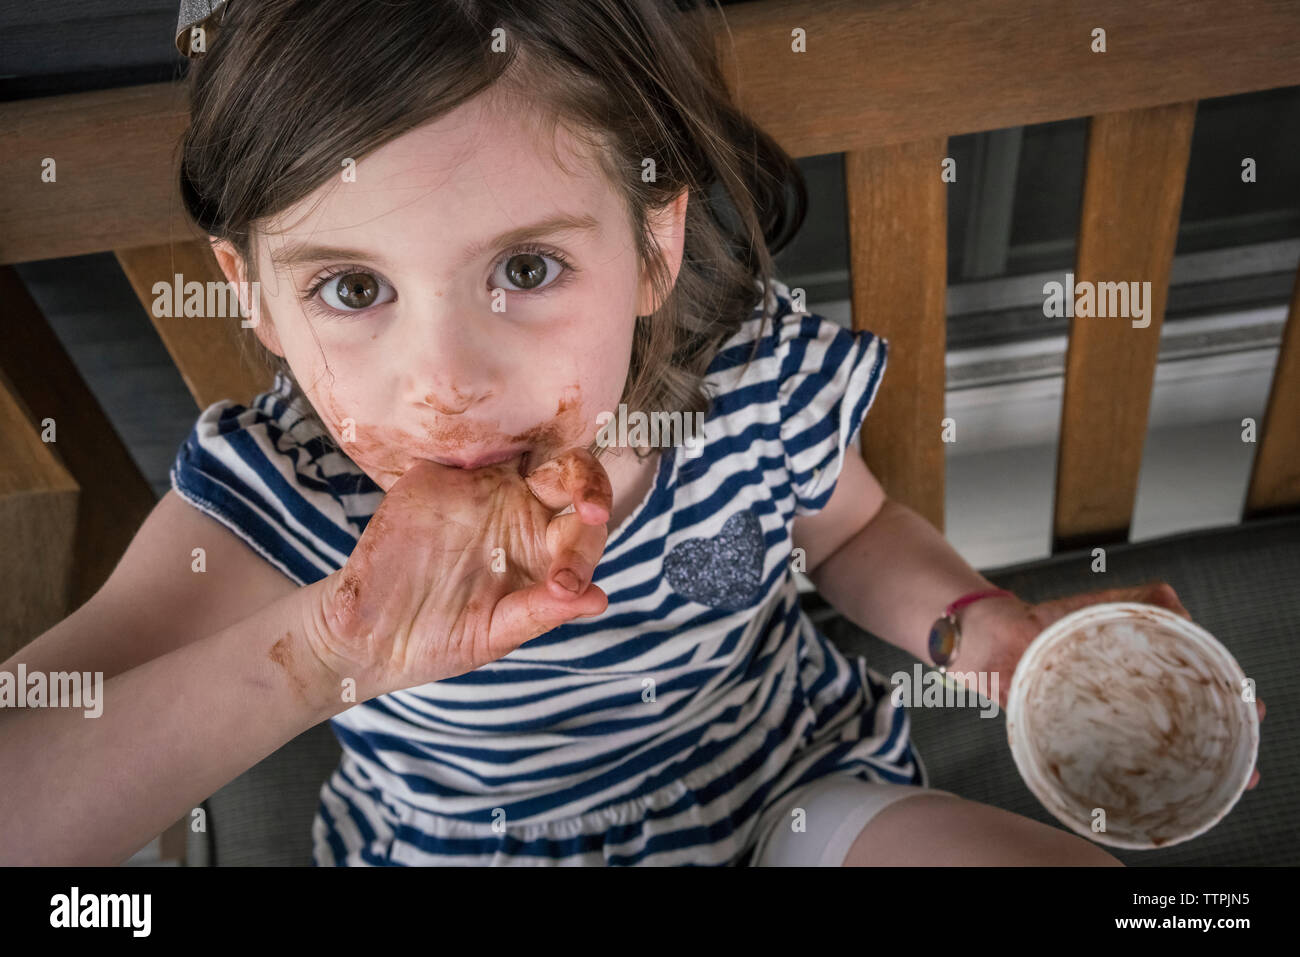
487 167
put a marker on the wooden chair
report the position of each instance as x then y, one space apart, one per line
884 84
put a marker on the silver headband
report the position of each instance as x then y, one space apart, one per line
200 14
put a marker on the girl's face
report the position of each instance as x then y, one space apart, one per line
457 296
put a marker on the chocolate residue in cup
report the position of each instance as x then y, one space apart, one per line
1129 717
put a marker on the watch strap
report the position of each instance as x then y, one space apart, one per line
974 596
945 634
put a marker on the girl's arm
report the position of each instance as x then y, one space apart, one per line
94 790
887 569
892 573
411 605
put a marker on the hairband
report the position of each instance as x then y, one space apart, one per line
198 14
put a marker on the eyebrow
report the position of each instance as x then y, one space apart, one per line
300 254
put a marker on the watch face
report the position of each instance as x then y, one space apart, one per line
943 639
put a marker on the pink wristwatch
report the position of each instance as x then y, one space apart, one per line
945 633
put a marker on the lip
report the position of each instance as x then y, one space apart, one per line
482 461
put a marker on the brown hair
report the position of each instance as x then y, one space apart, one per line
289 87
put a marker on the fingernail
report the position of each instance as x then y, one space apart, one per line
568 580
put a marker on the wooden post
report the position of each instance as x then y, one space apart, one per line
1132 197
898 219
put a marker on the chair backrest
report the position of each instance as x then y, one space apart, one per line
883 83
887 83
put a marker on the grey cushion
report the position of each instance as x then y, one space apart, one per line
263 817
1239 582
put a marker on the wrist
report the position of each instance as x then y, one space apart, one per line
323 627
981 622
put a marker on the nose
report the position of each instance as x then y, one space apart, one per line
447 399
451 369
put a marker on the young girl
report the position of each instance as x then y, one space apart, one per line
476 227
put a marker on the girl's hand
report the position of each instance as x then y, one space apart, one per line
998 630
460 567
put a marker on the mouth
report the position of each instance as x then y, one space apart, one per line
483 461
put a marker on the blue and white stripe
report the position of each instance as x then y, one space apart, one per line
557 753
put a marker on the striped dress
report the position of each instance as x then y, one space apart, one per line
664 731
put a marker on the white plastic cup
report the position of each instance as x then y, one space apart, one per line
1135 711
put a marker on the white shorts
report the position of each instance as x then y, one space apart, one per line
836 809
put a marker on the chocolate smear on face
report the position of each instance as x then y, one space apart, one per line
384 450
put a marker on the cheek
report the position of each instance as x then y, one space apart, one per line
339 416
335 381
563 429
378 450
604 360
596 387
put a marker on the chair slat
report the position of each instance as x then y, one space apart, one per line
1275 476
879 73
205 349
873 74
1132 197
898 218
115 498
113 166
38 524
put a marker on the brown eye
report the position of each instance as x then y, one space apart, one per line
352 290
526 270
356 290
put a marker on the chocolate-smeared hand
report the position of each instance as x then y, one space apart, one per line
460 567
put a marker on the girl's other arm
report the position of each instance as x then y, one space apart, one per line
155 601
882 565
93 790
204 674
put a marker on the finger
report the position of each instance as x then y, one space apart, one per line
574 478
1163 594
575 549
525 614
1060 607
1160 594
1254 779
1259 706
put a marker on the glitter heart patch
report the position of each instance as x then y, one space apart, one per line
724 571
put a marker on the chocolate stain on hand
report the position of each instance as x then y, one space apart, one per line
281 654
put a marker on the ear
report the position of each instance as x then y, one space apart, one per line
668 226
236 272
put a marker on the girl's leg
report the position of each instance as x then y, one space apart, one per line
943 829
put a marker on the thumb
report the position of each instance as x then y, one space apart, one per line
1060 607
525 614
